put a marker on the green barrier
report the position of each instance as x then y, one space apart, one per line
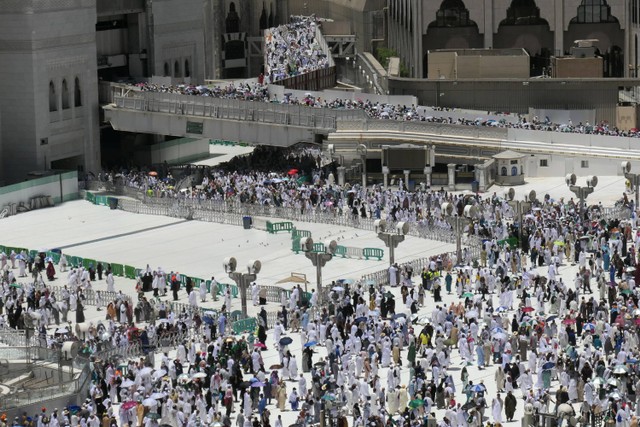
234 291
299 234
372 253
129 272
55 256
341 251
244 325
117 270
275 227
511 241
101 200
295 246
318 247
89 262
74 261
90 197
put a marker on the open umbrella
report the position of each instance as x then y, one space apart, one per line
415 403
589 327
15 285
127 383
468 295
208 320
569 321
292 171
478 388
310 344
620 370
615 395
157 396
259 345
612 381
145 371
276 366
499 336
626 291
257 384
184 378
528 309
599 381
285 341
548 365
471 314
128 405
148 402
153 173
199 375
497 329
153 415
329 397
337 289
551 318
62 330
501 309
360 320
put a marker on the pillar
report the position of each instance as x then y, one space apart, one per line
488 24
432 155
558 32
341 175
480 177
406 178
385 174
427 174
452 176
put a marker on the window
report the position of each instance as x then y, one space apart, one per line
514 171
53 101
77 95
176 69
513 162
597 11
544 163
65 95
166 69
503 171
187 70
584 164
452 13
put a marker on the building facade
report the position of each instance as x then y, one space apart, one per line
544 28
48 87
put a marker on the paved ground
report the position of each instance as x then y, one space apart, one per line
198 248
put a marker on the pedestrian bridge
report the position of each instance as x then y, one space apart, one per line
284 125
254 122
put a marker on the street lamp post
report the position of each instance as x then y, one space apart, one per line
319 259
634 179
581 192
520 206
362 151
242 279
391 239
458 223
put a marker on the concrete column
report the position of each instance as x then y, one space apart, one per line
385 174
427 173
558 32
341 175
432 155
488 24
452 176
406 178
480 177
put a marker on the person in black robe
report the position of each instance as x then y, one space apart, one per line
80 312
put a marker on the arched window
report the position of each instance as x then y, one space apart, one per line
232 23
166 69
524 12
593 12
514 171
65 95
452 13
503 171
176 69
187 70
77 94
53 101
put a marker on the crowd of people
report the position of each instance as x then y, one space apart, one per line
293 49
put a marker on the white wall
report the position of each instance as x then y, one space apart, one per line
46 186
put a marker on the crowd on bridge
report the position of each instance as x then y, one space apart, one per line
293 49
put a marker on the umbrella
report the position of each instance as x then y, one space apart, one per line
558 243
285 341
199 375
528 309
548 365
62 330
416 403
599 381
184 378
569 321
467 295
590 327
615 395
360 319
128 405
627 291
293 279
478 388
148 402
310 344
320 363
145 371
632 360
153 173
208 320
500 335
153 415
501 309
159 374
127 383
400 315
292 171
259 345
497 329
620 370
15 285
20 256
257 384
276 366
612 381
337 288
471 314
551 318
330 397
48 259
157 396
